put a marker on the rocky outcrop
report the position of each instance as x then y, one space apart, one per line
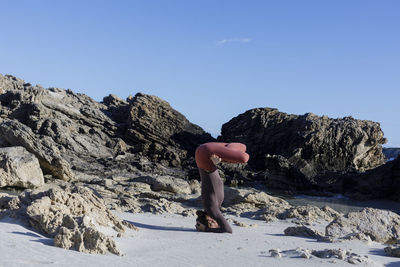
380 225
74 136
311 143
67 132
44 148
78 139
302 231
300 152
19 168
300 214
259 205
326 254
381 182
73 216
162 133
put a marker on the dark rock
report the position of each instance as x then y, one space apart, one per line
381 182
72 135
393 251
302 231
117 109
391 152
162 133
298 152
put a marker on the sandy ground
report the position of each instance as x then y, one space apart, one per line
171 240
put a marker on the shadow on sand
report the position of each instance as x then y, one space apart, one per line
161 228
40 239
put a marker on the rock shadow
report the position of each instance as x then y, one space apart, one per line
161 228
39 238
27 234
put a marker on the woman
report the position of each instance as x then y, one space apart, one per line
208 155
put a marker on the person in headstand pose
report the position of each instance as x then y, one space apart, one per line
207 156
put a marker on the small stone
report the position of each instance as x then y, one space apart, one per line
276 253
393 251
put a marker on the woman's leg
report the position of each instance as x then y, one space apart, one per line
212 193
233 153
237 146
212 188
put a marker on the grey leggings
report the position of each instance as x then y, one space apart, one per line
212 193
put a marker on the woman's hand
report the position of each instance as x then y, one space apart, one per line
212 223
215 159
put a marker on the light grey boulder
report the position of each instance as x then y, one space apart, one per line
75 217
380 225
43 147
166 183
19 168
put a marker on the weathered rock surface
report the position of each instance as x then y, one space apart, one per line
78 139
340 254
161 132
380 225
74 136
393 251
137 155
19 168
381 182
72 216
253 203
331 254
302 231
297 152
17 134
300 214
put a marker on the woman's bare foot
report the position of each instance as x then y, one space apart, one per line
215 159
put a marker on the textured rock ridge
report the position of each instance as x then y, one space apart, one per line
73 216
300 151
380 225
161 132
71 134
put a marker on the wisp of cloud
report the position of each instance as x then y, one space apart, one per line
234 40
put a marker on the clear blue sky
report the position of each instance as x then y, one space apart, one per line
212 60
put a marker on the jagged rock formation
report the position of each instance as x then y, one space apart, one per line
161 132
132 155
74 136
298 152
78 139
19 168
72 216
379 225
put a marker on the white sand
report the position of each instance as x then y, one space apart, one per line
170 240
